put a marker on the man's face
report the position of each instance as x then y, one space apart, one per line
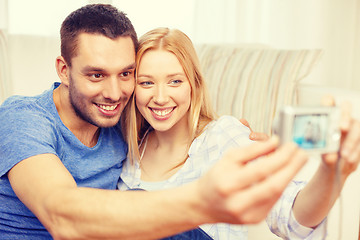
101 78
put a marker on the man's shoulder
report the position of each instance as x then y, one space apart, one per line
18 104
17 100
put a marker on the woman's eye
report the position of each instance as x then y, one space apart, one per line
175 82
145 83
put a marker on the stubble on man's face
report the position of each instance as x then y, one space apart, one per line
79 105
101 79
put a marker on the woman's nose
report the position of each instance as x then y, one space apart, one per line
160 96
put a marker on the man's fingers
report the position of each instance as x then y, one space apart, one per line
288 172
253 151
235 163
265 167
266 191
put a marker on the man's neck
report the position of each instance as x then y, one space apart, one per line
87 133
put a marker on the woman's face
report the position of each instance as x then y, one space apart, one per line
163 91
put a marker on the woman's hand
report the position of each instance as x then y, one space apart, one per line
348 157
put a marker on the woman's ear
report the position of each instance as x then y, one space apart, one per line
62 70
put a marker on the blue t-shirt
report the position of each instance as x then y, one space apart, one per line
31 126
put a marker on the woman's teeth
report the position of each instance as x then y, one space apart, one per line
162 112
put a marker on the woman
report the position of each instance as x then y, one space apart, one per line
174 138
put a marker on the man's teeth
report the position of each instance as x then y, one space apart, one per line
108 108
162 112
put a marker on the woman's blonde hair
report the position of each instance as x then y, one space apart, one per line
201 112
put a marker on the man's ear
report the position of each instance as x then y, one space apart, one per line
62 70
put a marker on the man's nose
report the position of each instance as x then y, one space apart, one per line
112 89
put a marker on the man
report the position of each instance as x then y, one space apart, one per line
61 153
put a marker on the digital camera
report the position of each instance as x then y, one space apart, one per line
315 129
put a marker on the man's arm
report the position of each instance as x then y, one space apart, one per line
234 191
69 212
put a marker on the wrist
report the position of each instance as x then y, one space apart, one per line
195 206
333 173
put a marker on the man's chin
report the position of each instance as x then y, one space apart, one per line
107 124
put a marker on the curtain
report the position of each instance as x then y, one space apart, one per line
5 85
355 83
5 88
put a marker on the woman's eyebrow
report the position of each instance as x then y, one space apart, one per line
169 75
144 75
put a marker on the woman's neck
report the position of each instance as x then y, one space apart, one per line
171 139
165 153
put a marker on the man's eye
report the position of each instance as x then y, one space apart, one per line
126 74
97 75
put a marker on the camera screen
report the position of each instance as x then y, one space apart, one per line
309 130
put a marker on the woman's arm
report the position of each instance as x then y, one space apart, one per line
314 202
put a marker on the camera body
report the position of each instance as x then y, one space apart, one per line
315 129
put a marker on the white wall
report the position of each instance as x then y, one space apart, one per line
329 25
39 17
3 14
44 17
146 15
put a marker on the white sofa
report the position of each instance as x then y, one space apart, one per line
250 81
253 81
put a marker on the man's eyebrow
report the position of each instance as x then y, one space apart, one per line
131 66
92 69
97 69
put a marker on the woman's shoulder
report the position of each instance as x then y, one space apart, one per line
227 123
225 127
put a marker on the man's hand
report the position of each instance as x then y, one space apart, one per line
245 184
255 136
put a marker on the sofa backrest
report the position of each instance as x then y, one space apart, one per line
254 82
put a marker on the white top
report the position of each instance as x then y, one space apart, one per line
218 137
